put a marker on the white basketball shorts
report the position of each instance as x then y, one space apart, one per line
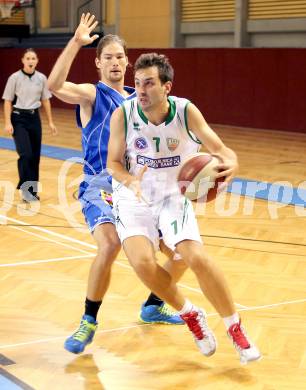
174 217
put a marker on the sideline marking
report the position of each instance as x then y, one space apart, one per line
50 239
33 262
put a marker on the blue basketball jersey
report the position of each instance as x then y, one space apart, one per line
95 135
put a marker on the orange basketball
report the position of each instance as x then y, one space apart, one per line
197 177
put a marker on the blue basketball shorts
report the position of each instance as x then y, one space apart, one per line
94 195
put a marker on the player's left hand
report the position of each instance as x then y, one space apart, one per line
85 28
227 168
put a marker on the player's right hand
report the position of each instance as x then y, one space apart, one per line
9 129
135 185
86 26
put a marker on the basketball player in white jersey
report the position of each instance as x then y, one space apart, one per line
150 136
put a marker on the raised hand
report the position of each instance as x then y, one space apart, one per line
86 26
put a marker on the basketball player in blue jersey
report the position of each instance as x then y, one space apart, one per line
95 106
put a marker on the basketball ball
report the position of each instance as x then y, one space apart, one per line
197 177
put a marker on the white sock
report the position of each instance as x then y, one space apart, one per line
231 320
187 308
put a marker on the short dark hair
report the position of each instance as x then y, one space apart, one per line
165 70
108 39
28 50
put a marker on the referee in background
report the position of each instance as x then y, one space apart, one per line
25 91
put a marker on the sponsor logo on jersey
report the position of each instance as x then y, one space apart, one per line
140 143
136 126
172 143
158 163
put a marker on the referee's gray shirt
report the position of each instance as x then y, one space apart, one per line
28 90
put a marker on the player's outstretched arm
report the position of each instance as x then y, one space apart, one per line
66 91
198 125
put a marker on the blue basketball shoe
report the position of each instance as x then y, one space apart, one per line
154 314
83 336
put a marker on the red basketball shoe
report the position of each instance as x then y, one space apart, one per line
203 336
246 350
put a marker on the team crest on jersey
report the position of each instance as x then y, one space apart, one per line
140 143
172 143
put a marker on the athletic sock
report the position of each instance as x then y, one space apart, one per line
153 300
187 308
92 308
231 320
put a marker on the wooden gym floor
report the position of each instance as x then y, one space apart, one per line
46 252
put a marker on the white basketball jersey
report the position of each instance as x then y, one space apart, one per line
162 148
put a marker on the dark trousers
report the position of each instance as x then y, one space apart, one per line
27 136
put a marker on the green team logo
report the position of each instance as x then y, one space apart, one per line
172 143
